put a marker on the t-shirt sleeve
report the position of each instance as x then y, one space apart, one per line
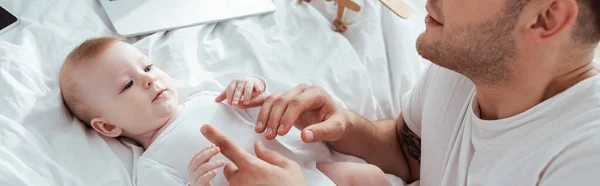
412 103
151 173
579 165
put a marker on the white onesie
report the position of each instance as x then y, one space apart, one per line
165 161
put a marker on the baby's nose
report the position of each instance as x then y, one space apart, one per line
150 83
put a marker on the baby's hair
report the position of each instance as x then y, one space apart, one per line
81 54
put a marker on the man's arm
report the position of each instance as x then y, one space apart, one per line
411 147
382 143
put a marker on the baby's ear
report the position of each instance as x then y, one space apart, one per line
106 128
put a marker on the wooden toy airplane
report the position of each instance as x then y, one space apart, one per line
339 25
400 8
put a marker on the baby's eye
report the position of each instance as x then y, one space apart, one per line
128 85
148 68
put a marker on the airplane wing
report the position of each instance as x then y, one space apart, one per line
349 4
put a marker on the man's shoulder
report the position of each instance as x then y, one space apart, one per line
580 122
578 109
578 159
580 101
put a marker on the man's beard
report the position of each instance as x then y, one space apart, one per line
479 51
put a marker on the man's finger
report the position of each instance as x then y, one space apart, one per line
296 106
316 98
228 148
263 115
288 119
230 171
328 130
281 107
270 156
275 116
221 96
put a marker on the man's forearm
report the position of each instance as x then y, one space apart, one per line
377 143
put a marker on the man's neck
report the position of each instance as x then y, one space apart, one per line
524 90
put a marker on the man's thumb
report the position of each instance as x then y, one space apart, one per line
328 130
269 156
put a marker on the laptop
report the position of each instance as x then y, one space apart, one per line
137 17
7 20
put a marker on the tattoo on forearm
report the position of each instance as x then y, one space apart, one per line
411 142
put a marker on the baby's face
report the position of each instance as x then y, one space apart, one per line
127 90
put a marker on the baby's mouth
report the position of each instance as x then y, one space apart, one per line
158 95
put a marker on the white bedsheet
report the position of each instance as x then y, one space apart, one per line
366 70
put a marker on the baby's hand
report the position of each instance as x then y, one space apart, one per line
201 170
242 89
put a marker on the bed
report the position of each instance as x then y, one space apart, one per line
366 70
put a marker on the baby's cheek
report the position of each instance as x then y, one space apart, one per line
136 108
173 98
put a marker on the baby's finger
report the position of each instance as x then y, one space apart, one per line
192 162
203 157
259 89
239 88
248 88
255 101
207 168
230 90
204 180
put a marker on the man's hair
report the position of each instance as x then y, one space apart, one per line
587 30
69 88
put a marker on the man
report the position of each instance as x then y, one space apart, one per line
513 99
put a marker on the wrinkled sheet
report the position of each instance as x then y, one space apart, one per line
366 70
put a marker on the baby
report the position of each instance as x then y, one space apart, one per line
114 88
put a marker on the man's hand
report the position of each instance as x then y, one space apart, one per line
312 110
309 108
270 168
241 91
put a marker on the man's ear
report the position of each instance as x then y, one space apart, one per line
106 128
551 19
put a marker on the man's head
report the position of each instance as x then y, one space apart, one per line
113 87
482 39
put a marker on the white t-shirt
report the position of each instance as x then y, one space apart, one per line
166 159
557 142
